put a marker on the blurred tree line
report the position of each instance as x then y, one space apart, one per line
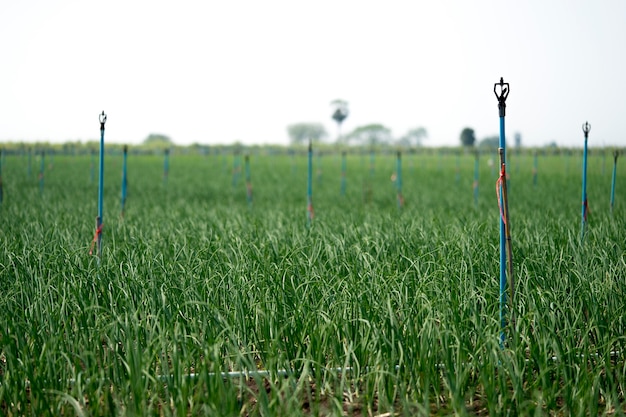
374 134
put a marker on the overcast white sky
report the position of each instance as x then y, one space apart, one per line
219 71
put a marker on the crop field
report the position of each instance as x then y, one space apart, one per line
204 303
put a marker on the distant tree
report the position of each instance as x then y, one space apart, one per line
372 134
490 142
413 137
300 133
467 137
340 114
157 140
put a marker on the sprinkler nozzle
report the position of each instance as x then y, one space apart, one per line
103 120
504 93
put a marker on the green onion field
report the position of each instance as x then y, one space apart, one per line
205 304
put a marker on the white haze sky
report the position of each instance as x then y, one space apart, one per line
219 71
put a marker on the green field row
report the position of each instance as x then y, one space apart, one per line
372 309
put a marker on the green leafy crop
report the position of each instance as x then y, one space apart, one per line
371 310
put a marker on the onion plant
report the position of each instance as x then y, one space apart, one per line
201 306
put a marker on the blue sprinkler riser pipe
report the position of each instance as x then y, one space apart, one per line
124 177
584 193
100 219
586 129
101 177
613 180
502 243
166 165
504 92
399 179
247 166
309 191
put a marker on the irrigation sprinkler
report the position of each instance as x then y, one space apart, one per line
166 166
42 169
309 189
535 169
615 155
97 237
343 172
475 183
585 207
248 181
501 90
340 114
399 180
124 179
